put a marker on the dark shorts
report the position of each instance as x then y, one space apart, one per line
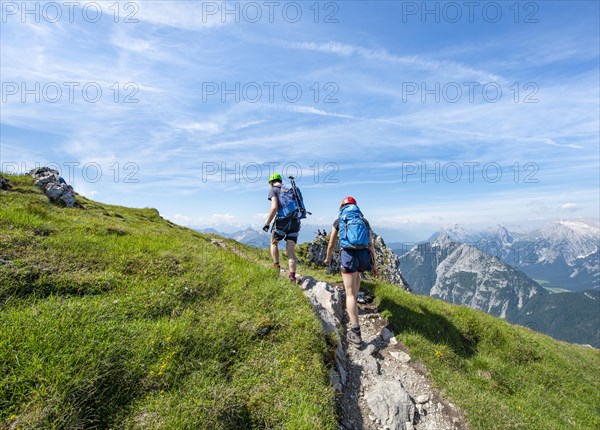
355 260
287 228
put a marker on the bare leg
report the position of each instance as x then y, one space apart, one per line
290 247
275 251
351 285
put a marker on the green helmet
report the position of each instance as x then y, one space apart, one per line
275 177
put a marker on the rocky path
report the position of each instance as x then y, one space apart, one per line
379 385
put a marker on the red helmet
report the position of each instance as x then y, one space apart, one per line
348 200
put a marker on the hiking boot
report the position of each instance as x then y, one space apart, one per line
354 338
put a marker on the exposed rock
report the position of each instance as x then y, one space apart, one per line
386 333
388 263
374 391
391 404
423 398
335 380
4 184
328 305
326 300
402 357
61 192
49 180
316 251
462 274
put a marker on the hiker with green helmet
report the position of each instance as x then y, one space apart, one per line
286 227
356 256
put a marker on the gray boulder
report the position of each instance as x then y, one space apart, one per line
388 263
49 181
327 302
391 405
61 192
44 176
4 184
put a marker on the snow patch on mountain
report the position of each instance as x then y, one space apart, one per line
564 253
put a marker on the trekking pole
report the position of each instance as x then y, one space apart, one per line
374 266
298 203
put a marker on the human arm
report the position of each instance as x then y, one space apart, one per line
332 238
272 213
372 250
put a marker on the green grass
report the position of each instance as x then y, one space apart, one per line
115 318
502 375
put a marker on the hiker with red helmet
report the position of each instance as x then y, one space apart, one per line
356 253
284 210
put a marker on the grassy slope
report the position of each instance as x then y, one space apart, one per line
114 317
503 376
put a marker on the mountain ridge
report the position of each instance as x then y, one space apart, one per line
562 253
460 273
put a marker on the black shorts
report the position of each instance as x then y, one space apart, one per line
286 228
355 260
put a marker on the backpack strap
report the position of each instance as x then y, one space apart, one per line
346 225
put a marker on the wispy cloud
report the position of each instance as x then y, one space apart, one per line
185 15
215 220
570 207
172 132
453 68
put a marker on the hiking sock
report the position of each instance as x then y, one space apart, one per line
276 265
293 276
356 329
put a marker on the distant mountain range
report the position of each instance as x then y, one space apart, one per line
461 273
260 239
563 254
249 236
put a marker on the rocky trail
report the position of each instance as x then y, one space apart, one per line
379 386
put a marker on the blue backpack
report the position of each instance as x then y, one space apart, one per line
354 233
287 203
291 202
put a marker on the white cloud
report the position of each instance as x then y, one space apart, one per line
215 220
570 207
455 69
315 111
186 15
203 127
483 208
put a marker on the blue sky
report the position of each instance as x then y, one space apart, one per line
430 114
